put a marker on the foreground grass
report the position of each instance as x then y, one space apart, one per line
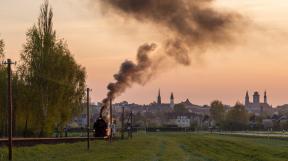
160 147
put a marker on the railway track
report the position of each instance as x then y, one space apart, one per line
36 141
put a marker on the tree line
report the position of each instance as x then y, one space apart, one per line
238 118
235 118
48 84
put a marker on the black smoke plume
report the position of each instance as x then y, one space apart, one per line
190 25
130 73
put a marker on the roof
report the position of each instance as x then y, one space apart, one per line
187 103
195 108
256 93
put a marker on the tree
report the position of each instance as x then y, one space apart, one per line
56 83
237 118
217 112
3 92
283 124
1 49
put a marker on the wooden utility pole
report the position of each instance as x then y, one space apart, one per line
88 118
110 120
146 122
131 116
122 123
10 108
130 125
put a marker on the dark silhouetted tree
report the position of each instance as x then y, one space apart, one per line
237 118
217 113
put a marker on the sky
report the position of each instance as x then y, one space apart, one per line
100 42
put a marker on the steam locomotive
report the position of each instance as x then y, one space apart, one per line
100 127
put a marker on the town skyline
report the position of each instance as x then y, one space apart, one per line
160 99
224 74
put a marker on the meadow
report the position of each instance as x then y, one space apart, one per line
160 147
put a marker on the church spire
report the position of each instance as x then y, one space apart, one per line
172 96
247 101
265 97
172 100
159 98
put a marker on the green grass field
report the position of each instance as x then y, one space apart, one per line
160 147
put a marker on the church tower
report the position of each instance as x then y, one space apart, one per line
247 99
159 98
265 97
172 100
256 98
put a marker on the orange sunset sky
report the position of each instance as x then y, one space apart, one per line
258 61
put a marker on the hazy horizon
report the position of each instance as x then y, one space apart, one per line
100 43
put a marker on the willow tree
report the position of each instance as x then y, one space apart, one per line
56 82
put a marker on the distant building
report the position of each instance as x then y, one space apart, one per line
256 106
187 120
160 106
159 98
183 121
196 109
172 101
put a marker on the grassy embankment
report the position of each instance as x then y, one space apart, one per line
160 147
